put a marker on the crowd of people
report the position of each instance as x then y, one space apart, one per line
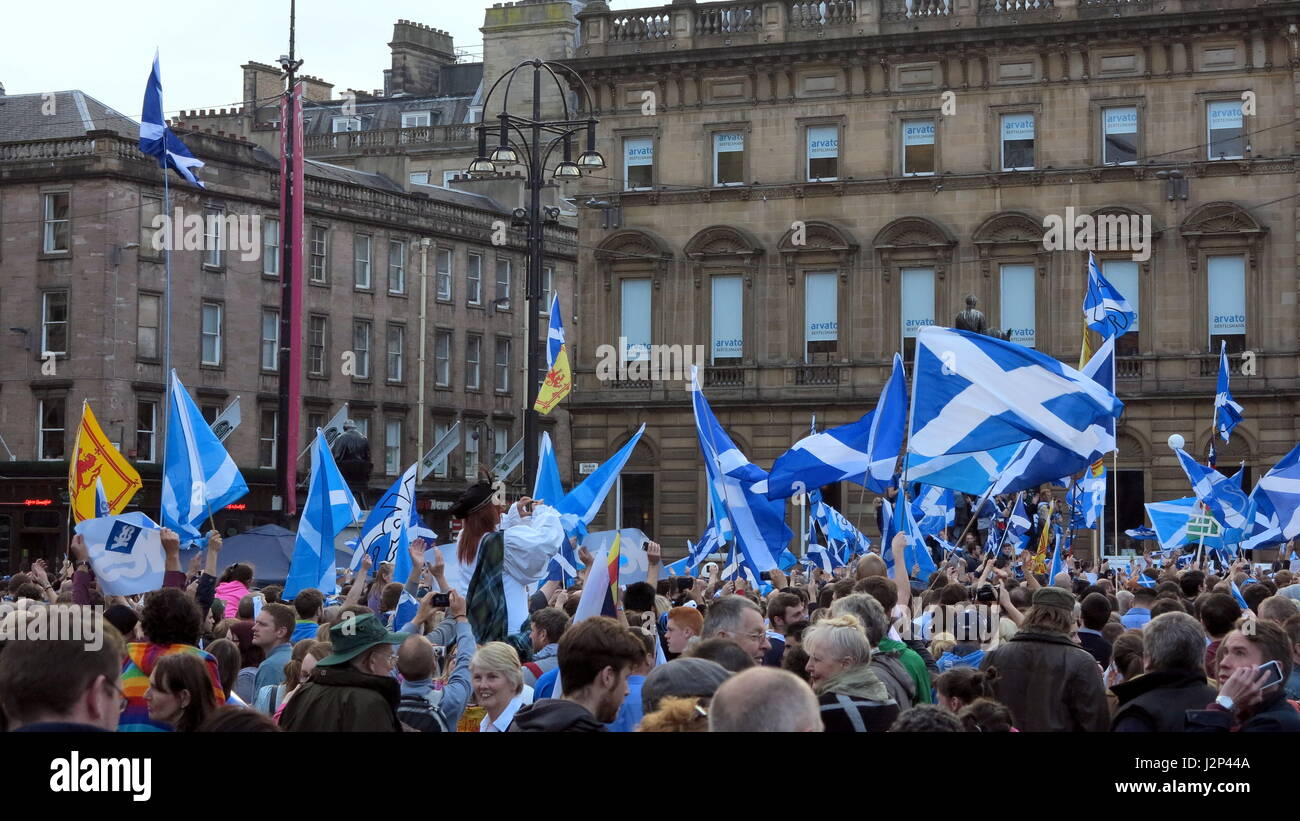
982 645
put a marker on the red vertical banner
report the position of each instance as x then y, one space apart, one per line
292 213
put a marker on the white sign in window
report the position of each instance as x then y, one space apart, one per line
918 147
917 300
729 158
635 315
1226 294
821 307
1018 303
823 152
728 318
1225 130
638 162
1119 135
1017 142
1123 274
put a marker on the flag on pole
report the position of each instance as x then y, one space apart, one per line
559 377
917 552
330 509
1236 594
1058 564
1281 487
383 535
1017 532
125 552
937 509
1173 519
334 426
1227 413
580 505
95 459
199 477
101 500
601 589
1221 494
1105 309
156 139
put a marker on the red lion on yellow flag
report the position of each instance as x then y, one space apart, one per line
94 457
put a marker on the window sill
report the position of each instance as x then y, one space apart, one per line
357 289
271 277
445 300
49 255
478 305
400 294
319 283
211 366
214 269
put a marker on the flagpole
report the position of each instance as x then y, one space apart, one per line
167 298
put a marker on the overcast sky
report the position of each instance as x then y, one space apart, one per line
105 48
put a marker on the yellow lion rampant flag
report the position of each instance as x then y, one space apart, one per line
559 377
94 457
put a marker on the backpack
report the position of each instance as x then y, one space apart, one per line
417 713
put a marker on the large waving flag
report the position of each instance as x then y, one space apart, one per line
1016 535
94 459
758 522
1170 520
329 510
1105 309
559 377
1221 494
199 476
1281 488
966 472
936 509
156 139
1227 413
974 392
126 553
383 536
580 505
547 487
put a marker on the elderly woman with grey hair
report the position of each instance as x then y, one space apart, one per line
852 698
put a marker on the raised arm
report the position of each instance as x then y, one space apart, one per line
653 555
901 581
354 591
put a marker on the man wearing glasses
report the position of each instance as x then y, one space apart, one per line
57 686
354 688
738 619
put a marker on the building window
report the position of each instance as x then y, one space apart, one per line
54 322
416 119
917 308
315 421
823 143
729 158
728 314
447 177
442 359
361 347
213 239
211 334
471 456
474 279
319 251
271 247
396 266
316 345
473 352
58 223
638 163
636 501
440 430
1017 141
150 209
270 339
821 315
210 412
1225 130
442 266
343 124
918 148
363 425
52 414
1018 304
146 427
634 326
146 333
392 446
548 289
1123 274
503 365
361 245
1119 127
1226 296
500 442
266 438
396 351
418 177
503 284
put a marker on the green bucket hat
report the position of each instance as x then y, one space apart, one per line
352 637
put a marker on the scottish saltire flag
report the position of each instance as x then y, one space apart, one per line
101 500
1092 497
383 535
156 139
1145 580
125 552
975 392
1170 520
720 518
580 505
758 522
559 377
1016 535
1142 534
1058 565
934 509
1221 494
199 477
1281 488
825 557
964 472
1227 413
887 530
917 552
1236 594
681 567
329 510
786 560
547 487
1105 309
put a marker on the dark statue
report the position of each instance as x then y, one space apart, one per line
971 319
352 453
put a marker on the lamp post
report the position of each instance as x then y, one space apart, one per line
537 140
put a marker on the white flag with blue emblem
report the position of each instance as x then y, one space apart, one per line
1105 309
199 477
1227 413
974 393
126 553
1171 519
330 509
383 531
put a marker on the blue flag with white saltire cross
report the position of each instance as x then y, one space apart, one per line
1281 486
1227 413
156 139
1221 494
199 476
1104 308
329 510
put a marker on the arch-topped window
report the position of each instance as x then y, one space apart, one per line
631 264
914 255
723 260
817 256
1014 267
1224 247
1130 276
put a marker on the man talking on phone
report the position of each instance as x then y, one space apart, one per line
1256 662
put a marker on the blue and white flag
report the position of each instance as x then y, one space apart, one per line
1058 565
563 566
974 392
964 472
1145 581
1221 494
1170 520
1092 498
199 477
125 552
888 528
1016 535
1281 487
1105 309
383 535
934 509
758 522
786 560
1227 413
101 500
329 510
917 552
1142 534
1236 594
824 556
156 139
580 505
